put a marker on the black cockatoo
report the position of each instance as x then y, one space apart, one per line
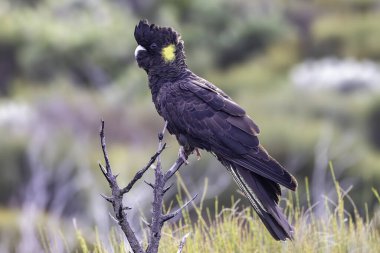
202 116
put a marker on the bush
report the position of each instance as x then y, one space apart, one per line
79 40
348 35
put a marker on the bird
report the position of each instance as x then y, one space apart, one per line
203 117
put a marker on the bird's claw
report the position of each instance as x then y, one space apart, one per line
199 155
182 155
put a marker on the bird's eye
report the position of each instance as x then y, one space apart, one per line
153 46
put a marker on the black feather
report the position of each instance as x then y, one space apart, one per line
202 116
264 196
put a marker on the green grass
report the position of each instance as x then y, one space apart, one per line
234 230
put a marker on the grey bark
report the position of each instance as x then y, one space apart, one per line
159 189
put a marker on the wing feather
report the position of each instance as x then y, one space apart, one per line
211 120
213 98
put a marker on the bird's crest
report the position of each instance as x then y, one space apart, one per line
146 34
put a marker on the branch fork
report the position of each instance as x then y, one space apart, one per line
159 189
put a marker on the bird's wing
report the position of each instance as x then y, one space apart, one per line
219 101
220 125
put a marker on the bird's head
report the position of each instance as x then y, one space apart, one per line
160 49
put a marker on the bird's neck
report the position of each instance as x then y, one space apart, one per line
154 85
169 72
166 77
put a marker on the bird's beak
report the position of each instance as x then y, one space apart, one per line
138 49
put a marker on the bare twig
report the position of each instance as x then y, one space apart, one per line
109 199
159 189
141 172
175 167
117 198
182 243
168 188
158 195
169 216
103 143
149 184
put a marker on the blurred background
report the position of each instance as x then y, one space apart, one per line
307 72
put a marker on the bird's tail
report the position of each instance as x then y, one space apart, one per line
264 196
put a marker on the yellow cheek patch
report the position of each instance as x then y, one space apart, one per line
168 53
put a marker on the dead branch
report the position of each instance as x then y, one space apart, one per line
169 216
117 198
159 189
140 173
182 243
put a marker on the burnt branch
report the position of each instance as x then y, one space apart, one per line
149 184
141 172
168 188
107 171
169 216
157 205
182 243
159 189
117 198
175 167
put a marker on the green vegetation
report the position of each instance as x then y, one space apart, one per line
66 64
239 230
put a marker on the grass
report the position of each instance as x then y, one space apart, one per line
234 230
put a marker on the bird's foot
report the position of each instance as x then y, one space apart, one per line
199 155
182 155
